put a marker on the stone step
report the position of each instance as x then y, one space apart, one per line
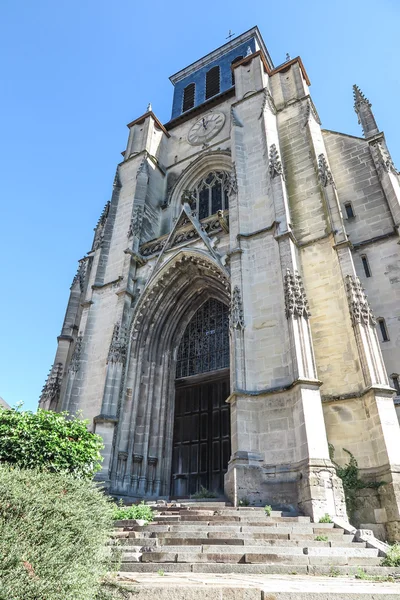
241 543
322 551
257 569
238 537
203 586
259 558
236 518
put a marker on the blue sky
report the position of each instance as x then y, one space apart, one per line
75 72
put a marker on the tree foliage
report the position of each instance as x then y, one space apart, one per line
49 441
54 530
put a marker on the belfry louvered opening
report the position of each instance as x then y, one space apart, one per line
188 97
212 82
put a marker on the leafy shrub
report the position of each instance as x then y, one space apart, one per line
268 510
49 441
349 474
321 538
325 519
204 493
392 559
136 511
53 534
244 501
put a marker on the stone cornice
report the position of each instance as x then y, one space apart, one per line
275 390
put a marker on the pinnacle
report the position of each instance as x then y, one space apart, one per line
359 97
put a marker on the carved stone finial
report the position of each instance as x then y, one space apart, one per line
296 302
100 227
275 165
362 107
136 222
189 197
149 108
52 387
232 184
287 57
80 275
324 172
117 351
360 310
359 98
75 363
236 317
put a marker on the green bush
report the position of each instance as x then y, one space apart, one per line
268 510
136 511
49 441
321 538
325 519
204 493
53 534
349 474
392 559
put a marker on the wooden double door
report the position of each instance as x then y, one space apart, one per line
201 441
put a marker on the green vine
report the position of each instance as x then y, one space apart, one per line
349 474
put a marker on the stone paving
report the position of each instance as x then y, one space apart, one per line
200 586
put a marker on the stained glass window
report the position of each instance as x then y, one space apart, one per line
205 343
210 194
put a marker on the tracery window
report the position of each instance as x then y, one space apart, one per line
205 343
210 194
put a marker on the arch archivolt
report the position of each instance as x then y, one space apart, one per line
211 161
142 457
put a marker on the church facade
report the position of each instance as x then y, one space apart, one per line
237 319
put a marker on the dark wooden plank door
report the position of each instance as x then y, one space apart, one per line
202 444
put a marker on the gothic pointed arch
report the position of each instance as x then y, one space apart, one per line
188 280
219 160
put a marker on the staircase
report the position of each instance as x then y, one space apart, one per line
211 537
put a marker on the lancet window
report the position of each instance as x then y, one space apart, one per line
210 194
205 343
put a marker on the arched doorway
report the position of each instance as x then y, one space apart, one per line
201 437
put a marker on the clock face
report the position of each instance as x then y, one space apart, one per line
206 128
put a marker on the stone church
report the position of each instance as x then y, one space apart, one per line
238 315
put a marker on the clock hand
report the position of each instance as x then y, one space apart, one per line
205 123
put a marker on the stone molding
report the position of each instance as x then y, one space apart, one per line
360 310
382 158
136 222
324 172
52 386
75 363
100 227
236 316
296 302
275 164
80 274
118 345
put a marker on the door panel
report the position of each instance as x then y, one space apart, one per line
201 445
